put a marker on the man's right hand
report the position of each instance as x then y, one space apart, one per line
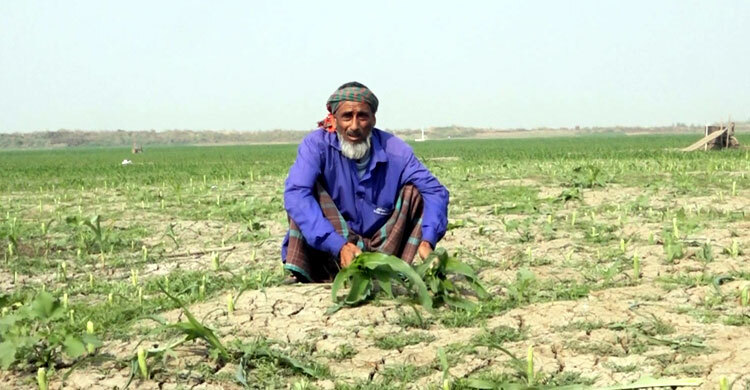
347 254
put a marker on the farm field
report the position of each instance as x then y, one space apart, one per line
613 257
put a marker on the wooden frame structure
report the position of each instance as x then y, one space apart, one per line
716 137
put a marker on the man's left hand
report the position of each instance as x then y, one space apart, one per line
424 249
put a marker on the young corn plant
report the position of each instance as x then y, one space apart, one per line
370 268
142 363
636 267
37 333
245 355
522 375
191 329
435 272
94 224
734 249
706 253
194 329
250 354
41 379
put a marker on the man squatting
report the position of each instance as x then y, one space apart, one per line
355 188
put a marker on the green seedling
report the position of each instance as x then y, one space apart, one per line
90 330
37 334
636 267
723 383
734 249
436 272
369 268
142 364
745 296
94 224
230 302
215 261
445 368
530 366
41 378
202 288
707 253
171 234
193 329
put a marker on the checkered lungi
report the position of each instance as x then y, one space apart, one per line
400 236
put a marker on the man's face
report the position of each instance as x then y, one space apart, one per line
354 121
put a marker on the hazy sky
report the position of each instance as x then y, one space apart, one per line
254 65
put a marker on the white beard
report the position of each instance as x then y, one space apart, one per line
354 151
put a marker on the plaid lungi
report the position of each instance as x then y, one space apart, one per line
400 236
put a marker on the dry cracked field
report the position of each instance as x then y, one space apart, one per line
554 228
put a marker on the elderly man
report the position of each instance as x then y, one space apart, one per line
355 188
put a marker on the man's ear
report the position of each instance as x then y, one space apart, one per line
374 120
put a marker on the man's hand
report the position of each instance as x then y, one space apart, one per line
347 254
424 249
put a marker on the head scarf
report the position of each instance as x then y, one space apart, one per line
352 92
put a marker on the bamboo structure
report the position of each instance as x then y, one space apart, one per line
716 137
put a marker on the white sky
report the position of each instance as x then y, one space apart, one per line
254 65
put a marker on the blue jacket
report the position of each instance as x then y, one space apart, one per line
366 203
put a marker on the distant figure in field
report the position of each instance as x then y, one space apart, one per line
355 188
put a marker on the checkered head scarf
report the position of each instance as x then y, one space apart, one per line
352 92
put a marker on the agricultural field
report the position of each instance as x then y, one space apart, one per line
605 258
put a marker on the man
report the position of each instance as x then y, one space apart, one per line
355 188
